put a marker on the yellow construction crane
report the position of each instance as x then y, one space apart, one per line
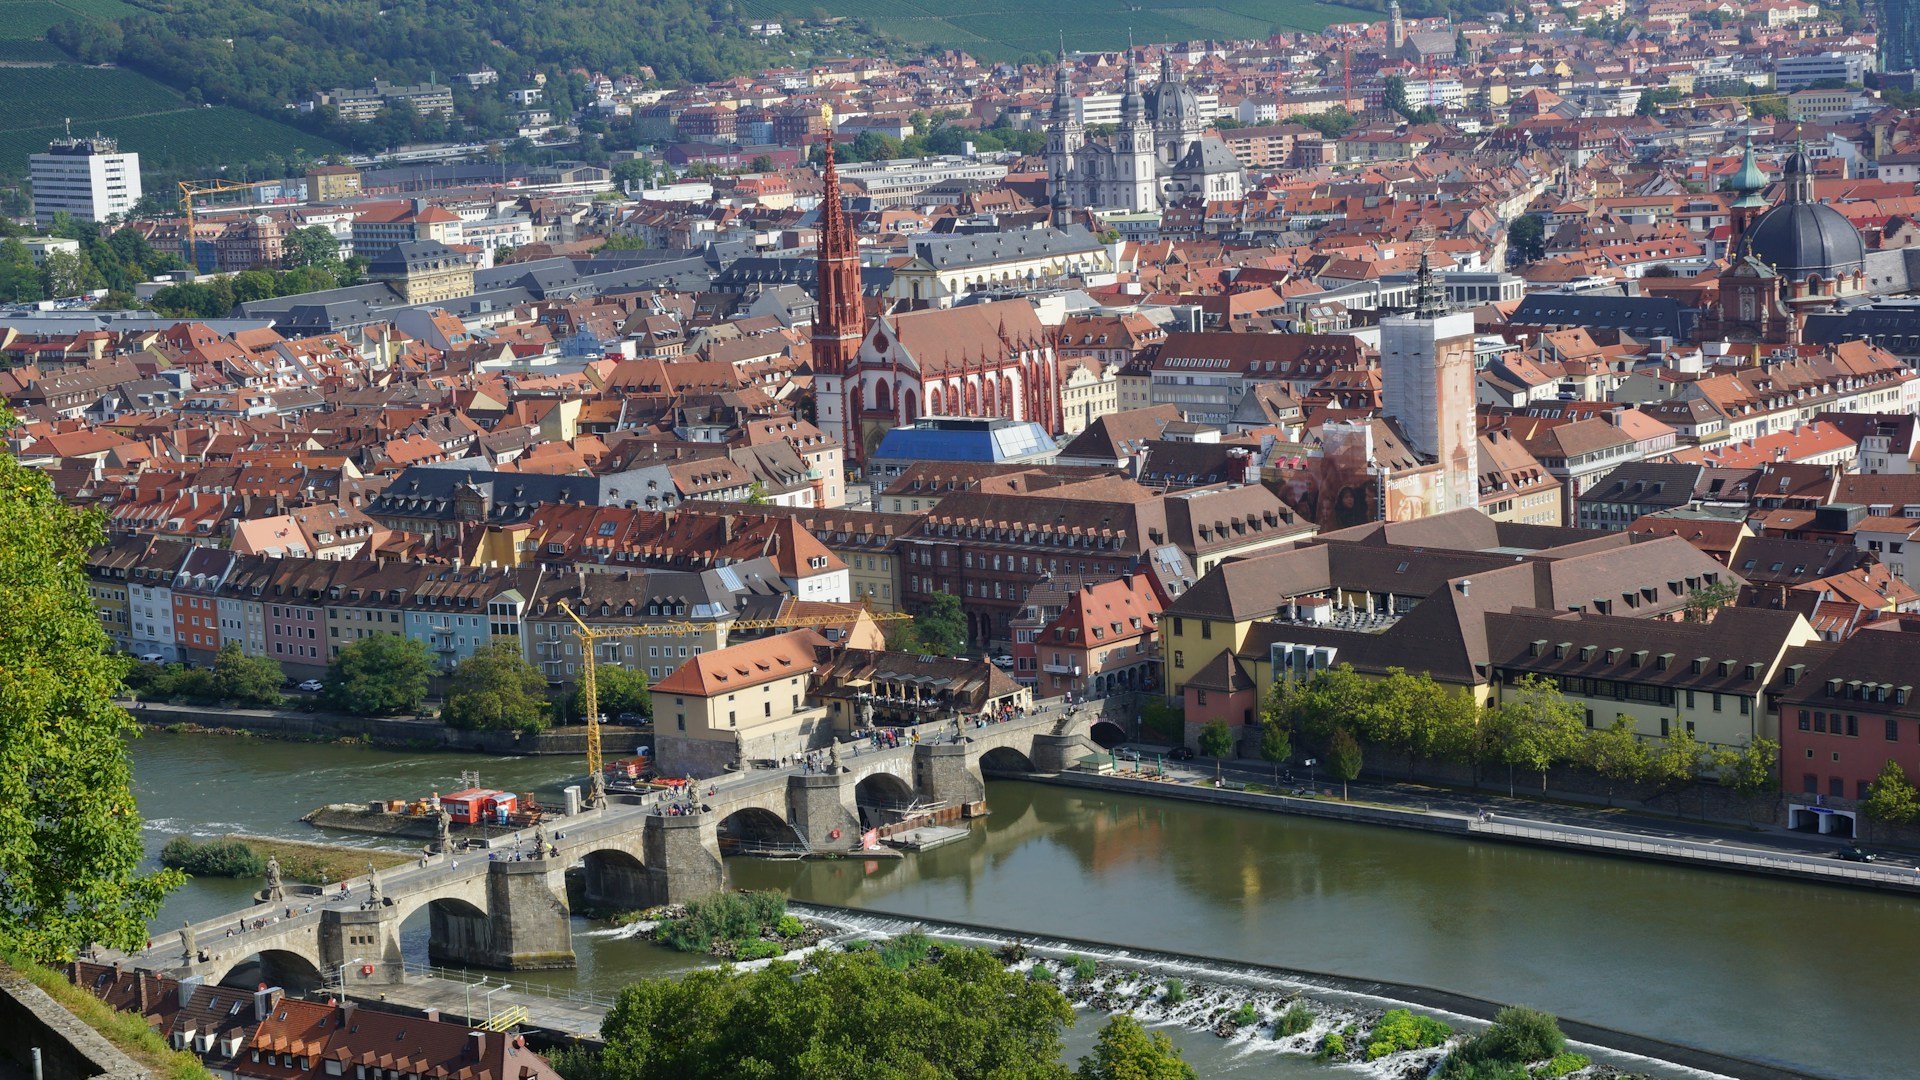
591 636
193 189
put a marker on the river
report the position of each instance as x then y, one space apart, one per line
1804 975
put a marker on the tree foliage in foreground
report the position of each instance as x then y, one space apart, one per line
69 831
851 1018
1128 1051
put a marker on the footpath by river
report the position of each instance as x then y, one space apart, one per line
1798 974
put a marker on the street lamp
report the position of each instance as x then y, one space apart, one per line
487 999
1311 783
470 986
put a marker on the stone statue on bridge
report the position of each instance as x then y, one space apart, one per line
539 841
833 754
275 890
373 887
186 941
442 831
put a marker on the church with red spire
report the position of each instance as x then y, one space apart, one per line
982 360
840 318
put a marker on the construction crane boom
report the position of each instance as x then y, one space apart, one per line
590 637
193 189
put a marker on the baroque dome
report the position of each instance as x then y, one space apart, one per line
1800 237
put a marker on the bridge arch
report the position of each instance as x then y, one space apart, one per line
758 829
1005 759
614 879
292 971
457 930
1107 734
879 795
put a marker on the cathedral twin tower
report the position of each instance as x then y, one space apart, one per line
1158 155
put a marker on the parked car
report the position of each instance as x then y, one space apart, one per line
1854 854
1003 662
631 718
149 657
1181 753
313 686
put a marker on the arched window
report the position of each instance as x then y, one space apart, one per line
933 401
910 405
883 396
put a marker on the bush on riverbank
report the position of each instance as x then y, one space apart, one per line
1295 1021
234 679
214 858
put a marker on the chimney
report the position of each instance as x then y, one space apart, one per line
477 1042
433 1015
346 1014
1465 586
264 999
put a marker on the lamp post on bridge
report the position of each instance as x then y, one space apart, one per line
487 999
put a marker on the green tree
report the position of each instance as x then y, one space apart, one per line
1891 798
762 163
1617 754
1703 602
756 494
496 689
1537 728
962 1014
621 690
246 680
1343 759
19 278
1216 739
379 675
1326 703
1680 761
69 273
1276 732
1393 95
1754 773
1527 238
313 245
70 847
1128 1051
942 628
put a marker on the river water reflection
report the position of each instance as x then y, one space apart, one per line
1815 977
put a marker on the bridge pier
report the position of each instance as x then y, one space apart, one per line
818 804
947 773
528 927
682 856
353 940
1057 753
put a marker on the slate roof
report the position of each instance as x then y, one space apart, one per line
1641 316
984 249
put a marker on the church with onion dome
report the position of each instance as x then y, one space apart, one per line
1790 259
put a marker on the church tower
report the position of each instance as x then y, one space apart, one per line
1396 27
840 316
1065 137
1136 179
1427 385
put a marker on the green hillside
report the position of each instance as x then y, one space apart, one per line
999 29
170 135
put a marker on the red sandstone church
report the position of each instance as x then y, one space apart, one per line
986 359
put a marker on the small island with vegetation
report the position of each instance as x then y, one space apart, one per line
733 926
237 856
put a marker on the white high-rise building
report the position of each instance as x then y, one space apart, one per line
88 179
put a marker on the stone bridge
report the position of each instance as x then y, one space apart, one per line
509 909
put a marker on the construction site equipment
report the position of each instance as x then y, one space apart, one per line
591 636
193 189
